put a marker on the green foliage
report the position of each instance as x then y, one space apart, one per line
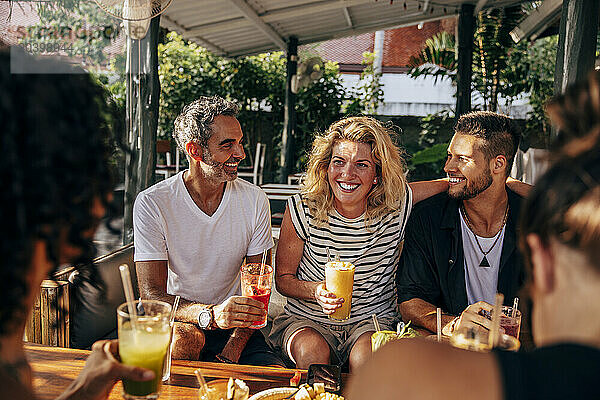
368 94
78 29
437 58
429 155
496 58
257 83
434 127
540 81
500 68
427 161
495 55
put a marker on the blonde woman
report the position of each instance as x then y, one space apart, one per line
355 202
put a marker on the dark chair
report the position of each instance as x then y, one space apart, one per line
69 315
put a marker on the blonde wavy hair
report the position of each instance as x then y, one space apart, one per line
387 195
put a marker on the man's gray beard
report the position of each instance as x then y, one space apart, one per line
481 183
216 170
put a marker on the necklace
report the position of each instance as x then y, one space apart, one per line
484 262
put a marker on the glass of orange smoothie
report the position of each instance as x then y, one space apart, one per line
339 279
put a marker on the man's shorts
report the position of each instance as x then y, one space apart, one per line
341 338
256 352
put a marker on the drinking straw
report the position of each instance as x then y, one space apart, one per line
399 328
438 316
202 382
126 278
174 310
337 256
376 323
328 254
514 308
262 269
494 335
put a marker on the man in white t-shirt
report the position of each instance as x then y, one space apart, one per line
193 231
460 246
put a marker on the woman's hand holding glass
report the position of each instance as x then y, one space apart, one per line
327 300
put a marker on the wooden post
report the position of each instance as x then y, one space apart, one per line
576 53
289 118
140 162
466 32
577 39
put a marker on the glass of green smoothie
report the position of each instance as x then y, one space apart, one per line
144 342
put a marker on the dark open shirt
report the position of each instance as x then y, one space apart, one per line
432 261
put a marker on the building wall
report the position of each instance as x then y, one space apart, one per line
402 43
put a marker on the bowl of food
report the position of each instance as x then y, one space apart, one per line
225 389
304 392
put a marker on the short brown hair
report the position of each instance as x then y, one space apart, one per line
500 133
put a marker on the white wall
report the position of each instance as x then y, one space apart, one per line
404 95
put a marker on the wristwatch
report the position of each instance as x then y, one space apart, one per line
206 317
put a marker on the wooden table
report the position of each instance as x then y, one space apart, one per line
55 367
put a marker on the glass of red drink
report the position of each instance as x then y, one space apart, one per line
511 324
257 280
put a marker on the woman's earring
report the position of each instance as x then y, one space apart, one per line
375 181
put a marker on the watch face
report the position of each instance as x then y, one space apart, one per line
204 319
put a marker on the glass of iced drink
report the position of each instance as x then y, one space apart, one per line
257 280
143 342
476 340
339 279
510 324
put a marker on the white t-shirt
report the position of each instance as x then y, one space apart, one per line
204 252
481 282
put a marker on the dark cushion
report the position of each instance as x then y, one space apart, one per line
94 317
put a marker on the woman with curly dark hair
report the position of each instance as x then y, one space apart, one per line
56 183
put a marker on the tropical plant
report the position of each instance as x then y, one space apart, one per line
496 57
495 54
437 58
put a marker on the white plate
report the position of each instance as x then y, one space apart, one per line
274 393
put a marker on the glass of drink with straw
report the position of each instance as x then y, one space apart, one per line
167 366
510 320
339 280
257 280
143 340
472 339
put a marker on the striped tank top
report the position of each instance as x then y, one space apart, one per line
374 252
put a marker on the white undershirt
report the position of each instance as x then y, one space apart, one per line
481 282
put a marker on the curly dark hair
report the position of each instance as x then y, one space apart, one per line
193 124
56 142
501 133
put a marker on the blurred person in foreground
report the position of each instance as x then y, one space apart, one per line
56 185
355 201
560 237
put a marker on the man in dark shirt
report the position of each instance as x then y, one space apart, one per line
460 247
